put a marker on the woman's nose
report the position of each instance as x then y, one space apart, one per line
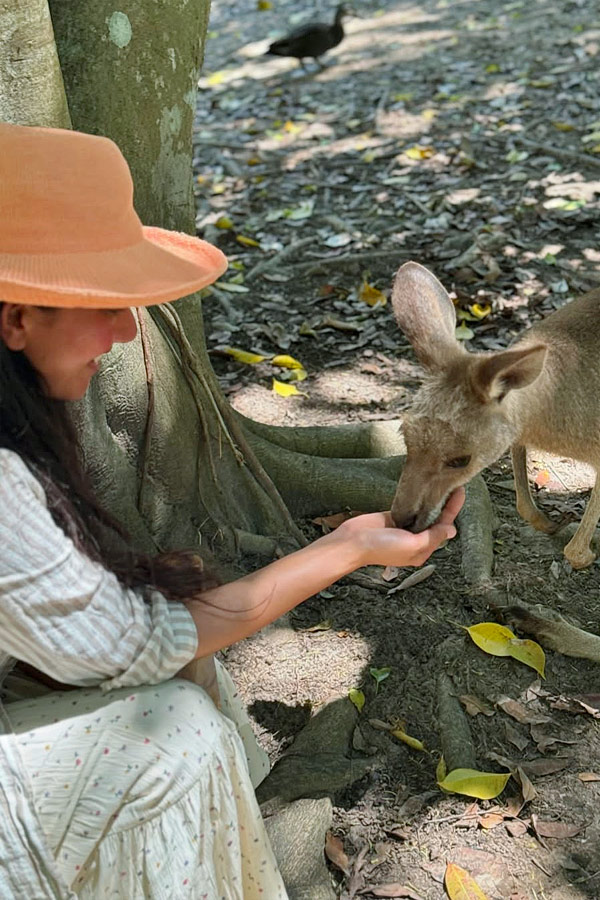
124 326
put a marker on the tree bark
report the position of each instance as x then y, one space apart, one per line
31 84
167 453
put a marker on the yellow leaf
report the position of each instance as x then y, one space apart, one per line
429 114
291 127
417 152
494 639
368 156
224 222
244 356
407 739
500 641
357 697
285 390
216 78
298 375
402 98
287 362
463 333
247 241
563 126
440 770
480 311
219 188
254 161
541 83
262 5
460 886
530 653
493 67
369 294
472 783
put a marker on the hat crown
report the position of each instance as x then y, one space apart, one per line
53 196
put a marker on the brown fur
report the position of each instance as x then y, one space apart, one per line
543 392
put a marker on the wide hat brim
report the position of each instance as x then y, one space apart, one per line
162 266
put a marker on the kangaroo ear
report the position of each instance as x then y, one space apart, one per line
425 313
495 375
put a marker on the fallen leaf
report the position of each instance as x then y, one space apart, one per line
554 829
474 705
491 820
462 333
246 241
588 776
519 712
418 152
472 783
357 698
371 295
232 287
411 580
390 572
285 390
379 675
516 827
407 739
460 886
500 641
244 356
224 222
334 851
329 523
287 362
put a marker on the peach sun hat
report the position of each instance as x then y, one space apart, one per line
70 237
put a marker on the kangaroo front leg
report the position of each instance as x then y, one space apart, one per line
578 550
525 505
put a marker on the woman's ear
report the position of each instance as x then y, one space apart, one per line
12 330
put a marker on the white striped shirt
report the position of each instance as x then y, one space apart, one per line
69 617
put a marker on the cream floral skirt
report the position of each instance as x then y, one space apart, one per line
146 794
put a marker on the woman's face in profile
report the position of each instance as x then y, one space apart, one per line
64 345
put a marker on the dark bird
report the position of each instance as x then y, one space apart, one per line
312 39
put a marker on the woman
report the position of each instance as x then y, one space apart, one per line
134 785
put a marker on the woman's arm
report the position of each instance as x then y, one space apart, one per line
230 612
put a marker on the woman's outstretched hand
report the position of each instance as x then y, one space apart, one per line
232 611
382 544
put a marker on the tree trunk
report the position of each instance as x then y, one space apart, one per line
166 451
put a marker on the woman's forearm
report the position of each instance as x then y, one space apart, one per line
233 611
230 612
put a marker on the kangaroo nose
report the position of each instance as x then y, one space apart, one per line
407 523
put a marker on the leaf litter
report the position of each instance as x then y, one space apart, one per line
465 139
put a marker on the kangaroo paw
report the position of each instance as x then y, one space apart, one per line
579 557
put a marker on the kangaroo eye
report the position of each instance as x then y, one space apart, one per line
459 462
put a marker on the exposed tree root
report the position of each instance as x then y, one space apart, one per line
455 734
320 762
552 631
297 834
363 441
476 535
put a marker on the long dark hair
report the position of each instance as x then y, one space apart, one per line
40 430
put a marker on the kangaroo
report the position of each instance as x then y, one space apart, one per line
542 392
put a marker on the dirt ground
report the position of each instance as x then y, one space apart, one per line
465 135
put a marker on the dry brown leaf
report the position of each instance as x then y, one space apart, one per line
527 789
520 712
558 830
334 851
537 768
474 705
516 827
588 776
491 820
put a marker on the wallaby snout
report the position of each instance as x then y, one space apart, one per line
544 392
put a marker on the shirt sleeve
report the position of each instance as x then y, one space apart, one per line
69 616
